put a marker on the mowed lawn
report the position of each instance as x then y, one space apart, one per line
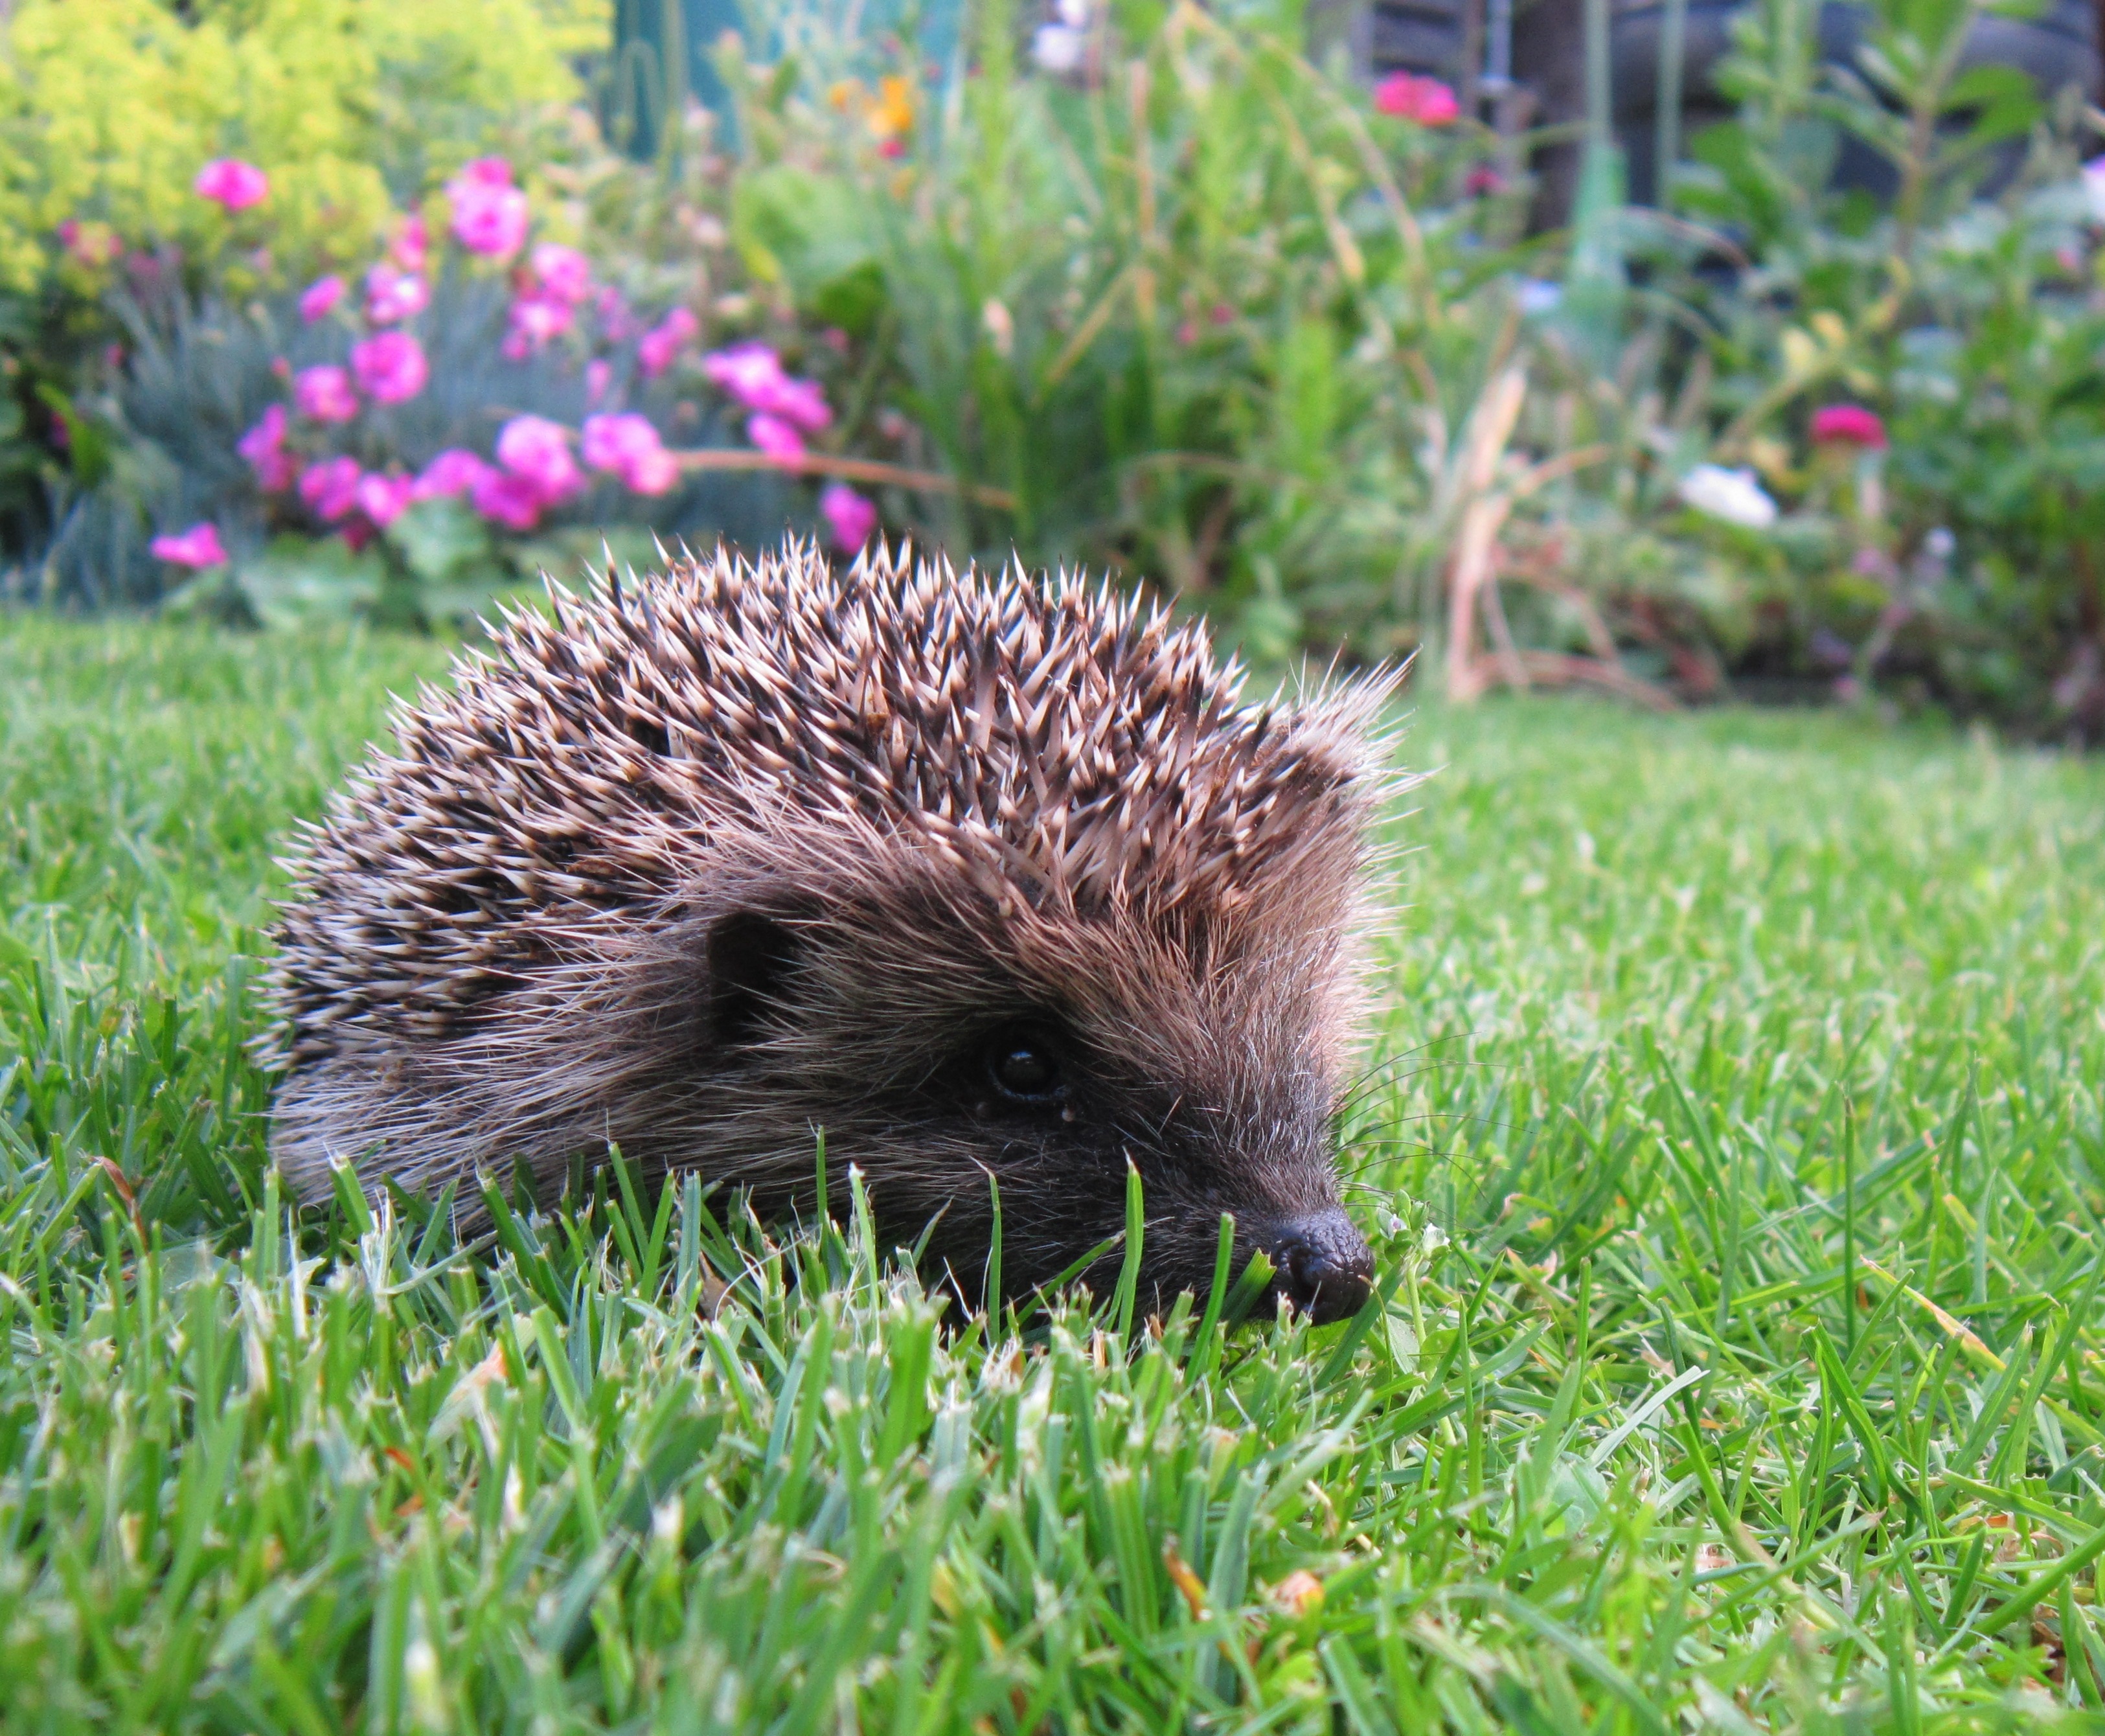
1732 1149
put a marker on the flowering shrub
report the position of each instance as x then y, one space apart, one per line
369 417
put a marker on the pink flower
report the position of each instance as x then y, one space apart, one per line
848 515
535 319
486 172
752 373
319 296
1409 97
392 296
231 182
490 215
610 442
774 436
1482 180
391 367
197 548
564 274
1848 425
599 375
331 487
264 447
452 473
538 451
411 244
629 447
653 473
802 402
656 348
507 499
324 394
384 499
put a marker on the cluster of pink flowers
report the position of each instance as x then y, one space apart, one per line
490 215
1409 97
658 348
555 284
539 465
627 446
228 182
196 549
783 409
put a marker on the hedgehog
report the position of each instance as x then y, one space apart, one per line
997 886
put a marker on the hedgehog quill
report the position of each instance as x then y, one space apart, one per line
988 880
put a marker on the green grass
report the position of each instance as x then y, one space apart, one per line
1736 1186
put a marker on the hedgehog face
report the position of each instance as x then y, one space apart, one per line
950 1051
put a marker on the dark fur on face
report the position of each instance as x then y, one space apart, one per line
983 880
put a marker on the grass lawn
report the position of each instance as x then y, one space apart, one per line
1735 1177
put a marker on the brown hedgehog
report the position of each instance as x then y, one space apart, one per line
983 880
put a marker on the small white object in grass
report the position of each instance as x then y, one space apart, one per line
668 1520
1057 48
1537 295
1731 495
1391 1225
1434 1239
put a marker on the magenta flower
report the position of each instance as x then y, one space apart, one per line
628 446
1848 425
610 442
1409 97
319 296
564 274
490 215
503 499
751 373
411 244
802 402
538 451
393 296
849 515
391 367
452 473
197 548
778 439
264 447
331 487
534 320
653 473
599 375
384 499
657 347
228 182
324 394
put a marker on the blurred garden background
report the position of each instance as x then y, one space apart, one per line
1336 321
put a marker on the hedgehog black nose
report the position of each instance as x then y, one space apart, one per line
1324 1265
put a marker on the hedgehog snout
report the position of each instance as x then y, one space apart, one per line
1325 1266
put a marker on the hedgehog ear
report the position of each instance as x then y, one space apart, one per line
748 956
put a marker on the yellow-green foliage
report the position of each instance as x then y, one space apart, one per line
108 109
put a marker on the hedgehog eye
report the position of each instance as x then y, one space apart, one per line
1023 1067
